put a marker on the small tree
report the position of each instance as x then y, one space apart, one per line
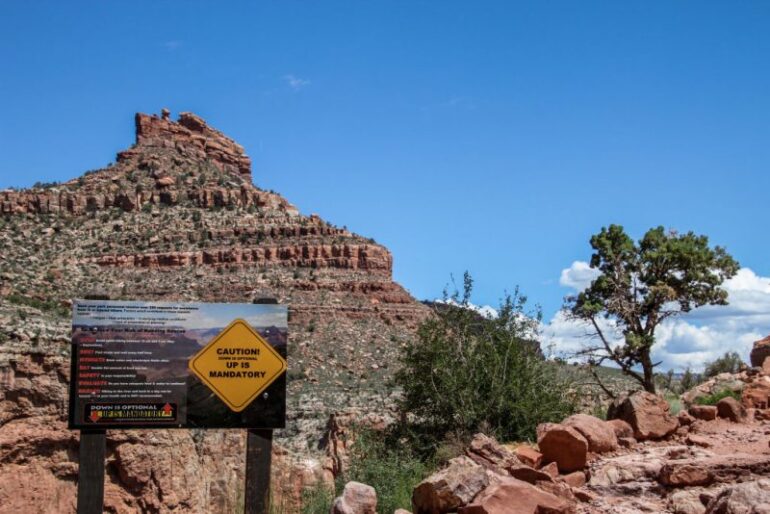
665 381
640 286
688 380
730 362
465 372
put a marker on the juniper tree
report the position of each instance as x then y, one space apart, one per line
639 286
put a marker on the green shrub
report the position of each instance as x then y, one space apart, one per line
377 460
465 371
714 398
47 305
674 403
316 500
393 470
730 362
688 381
599 411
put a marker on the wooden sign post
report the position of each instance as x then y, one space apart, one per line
259 449
91 471
259 454
93 445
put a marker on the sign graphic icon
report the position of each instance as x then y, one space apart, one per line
238 365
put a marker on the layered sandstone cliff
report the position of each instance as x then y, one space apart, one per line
177 217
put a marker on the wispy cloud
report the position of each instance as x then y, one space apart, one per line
296 83
460 102
455 103
172 45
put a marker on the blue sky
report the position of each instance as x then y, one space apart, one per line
489 136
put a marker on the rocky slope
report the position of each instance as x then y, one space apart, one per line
708 459
177 217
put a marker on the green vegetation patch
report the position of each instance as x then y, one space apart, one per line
465 372
392 469
713 399
48 305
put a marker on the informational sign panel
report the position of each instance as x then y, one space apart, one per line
178 365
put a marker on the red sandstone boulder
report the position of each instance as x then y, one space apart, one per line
559 489
600 436
575 479
486 451
647 414
684 475
704 412
551 469
760 352
529 456
528 474
756 395
684 418
357 498
563 445
450 488
730 408
517 497
699 440
621 428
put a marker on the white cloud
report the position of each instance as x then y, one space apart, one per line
295 82
691 339
564 337
487 311
578 276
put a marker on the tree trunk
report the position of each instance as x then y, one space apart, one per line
649 375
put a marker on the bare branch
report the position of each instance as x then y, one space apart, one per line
599 382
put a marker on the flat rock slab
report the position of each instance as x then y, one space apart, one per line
517 497
724 468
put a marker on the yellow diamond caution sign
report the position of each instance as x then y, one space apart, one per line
238 365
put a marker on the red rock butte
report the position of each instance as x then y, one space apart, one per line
190 135
177 217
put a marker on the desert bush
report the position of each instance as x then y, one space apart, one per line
378 460
713 398
316 500
674 402
465 371
46 305
393 469
664 381
730 362
688 381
